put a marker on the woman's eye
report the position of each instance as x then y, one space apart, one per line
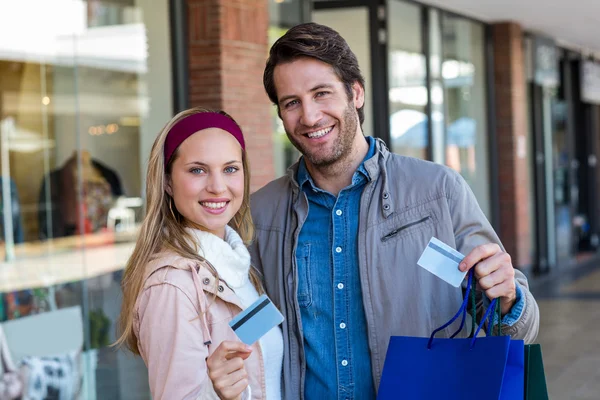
196 170
231 170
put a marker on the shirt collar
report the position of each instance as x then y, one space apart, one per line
303 176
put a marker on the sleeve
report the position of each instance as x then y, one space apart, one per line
171 342
515 312
255 255
471 229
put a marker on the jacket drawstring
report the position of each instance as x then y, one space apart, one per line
203 306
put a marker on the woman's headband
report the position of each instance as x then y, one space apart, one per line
197 122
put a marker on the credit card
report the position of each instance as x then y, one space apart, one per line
442 261
256 320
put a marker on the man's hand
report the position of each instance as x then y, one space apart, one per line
494 272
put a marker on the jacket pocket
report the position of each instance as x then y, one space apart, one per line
304 285
404 227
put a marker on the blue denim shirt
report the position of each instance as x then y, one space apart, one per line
338 362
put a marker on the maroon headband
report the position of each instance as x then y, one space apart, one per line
196 122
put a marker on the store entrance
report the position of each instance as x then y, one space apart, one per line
543 100
586 142
566 146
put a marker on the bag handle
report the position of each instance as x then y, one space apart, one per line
497 313
469 295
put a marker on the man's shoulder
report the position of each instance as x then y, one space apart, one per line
272 197
419 170
272 191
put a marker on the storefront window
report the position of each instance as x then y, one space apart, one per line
407 80
353 24
282 16
84 89
463 72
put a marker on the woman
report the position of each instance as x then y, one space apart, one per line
190 272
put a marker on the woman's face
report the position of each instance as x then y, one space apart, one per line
207 180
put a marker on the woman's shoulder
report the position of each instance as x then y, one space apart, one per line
168 267
169 274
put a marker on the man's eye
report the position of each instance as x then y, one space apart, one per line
291 103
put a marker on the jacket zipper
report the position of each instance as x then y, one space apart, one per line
397 231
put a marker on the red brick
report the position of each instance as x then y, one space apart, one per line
511 105
227 53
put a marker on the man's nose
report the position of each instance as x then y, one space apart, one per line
311 114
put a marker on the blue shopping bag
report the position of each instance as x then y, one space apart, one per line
489 368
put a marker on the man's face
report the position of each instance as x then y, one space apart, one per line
319 118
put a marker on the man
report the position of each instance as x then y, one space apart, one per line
338 237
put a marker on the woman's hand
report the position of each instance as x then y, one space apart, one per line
226 369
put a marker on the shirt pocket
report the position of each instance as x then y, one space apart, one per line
406 226
304 283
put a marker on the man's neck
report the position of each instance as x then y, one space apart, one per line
333 178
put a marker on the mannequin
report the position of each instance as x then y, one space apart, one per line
96 197
100 185
89 173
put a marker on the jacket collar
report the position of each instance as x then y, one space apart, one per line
230 257
374 166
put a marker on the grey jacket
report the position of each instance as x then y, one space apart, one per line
406 202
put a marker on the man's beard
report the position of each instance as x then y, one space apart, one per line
342 146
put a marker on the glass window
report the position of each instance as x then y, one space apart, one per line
407 80
353 24
464 82
84 89
282 16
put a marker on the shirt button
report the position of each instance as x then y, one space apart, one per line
338 212
206 281
340 285
343 325
344 362
338 249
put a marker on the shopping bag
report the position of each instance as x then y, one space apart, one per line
514 374
535 378
490 367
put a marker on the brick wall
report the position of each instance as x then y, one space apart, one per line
511 130
228 47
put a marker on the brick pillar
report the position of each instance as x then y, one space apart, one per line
511 131
228 47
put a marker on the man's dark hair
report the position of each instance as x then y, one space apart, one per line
321 43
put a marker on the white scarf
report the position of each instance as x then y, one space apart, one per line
230 257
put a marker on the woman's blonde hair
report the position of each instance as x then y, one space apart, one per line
162 229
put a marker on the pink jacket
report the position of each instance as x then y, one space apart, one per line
181 316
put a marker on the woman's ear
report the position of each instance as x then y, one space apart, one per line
168 187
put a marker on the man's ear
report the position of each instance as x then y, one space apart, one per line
358 95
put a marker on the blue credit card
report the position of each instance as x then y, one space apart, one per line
256 320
